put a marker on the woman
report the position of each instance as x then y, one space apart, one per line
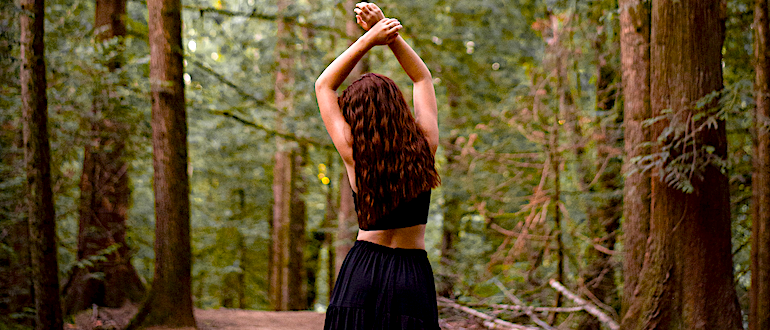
386 281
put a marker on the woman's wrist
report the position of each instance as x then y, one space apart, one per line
367 40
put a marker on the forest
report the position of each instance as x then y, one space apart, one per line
604 164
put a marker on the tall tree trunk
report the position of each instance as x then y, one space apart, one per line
279 271
555 200
242 251
560 115
635 62
104 191
232 289
298 214
759 295
16 292
446 274
346 222
328 226
170 300
37 159
686 281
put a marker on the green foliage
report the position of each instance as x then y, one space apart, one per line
683 156
99 256
494 61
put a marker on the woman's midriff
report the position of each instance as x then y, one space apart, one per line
404 238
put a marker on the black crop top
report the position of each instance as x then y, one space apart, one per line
409 213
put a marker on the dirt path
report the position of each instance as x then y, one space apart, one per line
234 319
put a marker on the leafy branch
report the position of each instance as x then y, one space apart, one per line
680 154
273 132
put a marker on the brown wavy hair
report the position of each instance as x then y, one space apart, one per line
393 160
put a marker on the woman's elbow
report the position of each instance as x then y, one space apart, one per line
425 77
319 84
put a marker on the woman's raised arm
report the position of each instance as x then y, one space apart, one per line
381 33
425 108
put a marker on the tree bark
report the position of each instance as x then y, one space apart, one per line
16 292
759 295
104 191
635 62
446 275
346 222
37 159
298 218
686 281
555 200
279 271
328 226
242 252
559 117
170 300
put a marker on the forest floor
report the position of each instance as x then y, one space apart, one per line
237 319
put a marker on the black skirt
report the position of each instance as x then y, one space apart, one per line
383 288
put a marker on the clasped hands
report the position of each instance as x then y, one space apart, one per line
370 17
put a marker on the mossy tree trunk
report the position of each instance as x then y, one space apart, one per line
759 295
37 159
104 190
686 281
16 292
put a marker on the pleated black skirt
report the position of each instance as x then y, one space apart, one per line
383 288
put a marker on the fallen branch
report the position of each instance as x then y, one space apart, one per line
527 311
518 308
590 308
489 321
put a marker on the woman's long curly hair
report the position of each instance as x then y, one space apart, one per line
393 162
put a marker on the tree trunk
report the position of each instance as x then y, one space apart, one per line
104 191
686 281
37 159
328 226
16 292
555 200
279 271
297 242
346 222
635 62
564 111
242 251
446 274
170 300
759 295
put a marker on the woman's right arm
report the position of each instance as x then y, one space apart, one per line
327 83
425 108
